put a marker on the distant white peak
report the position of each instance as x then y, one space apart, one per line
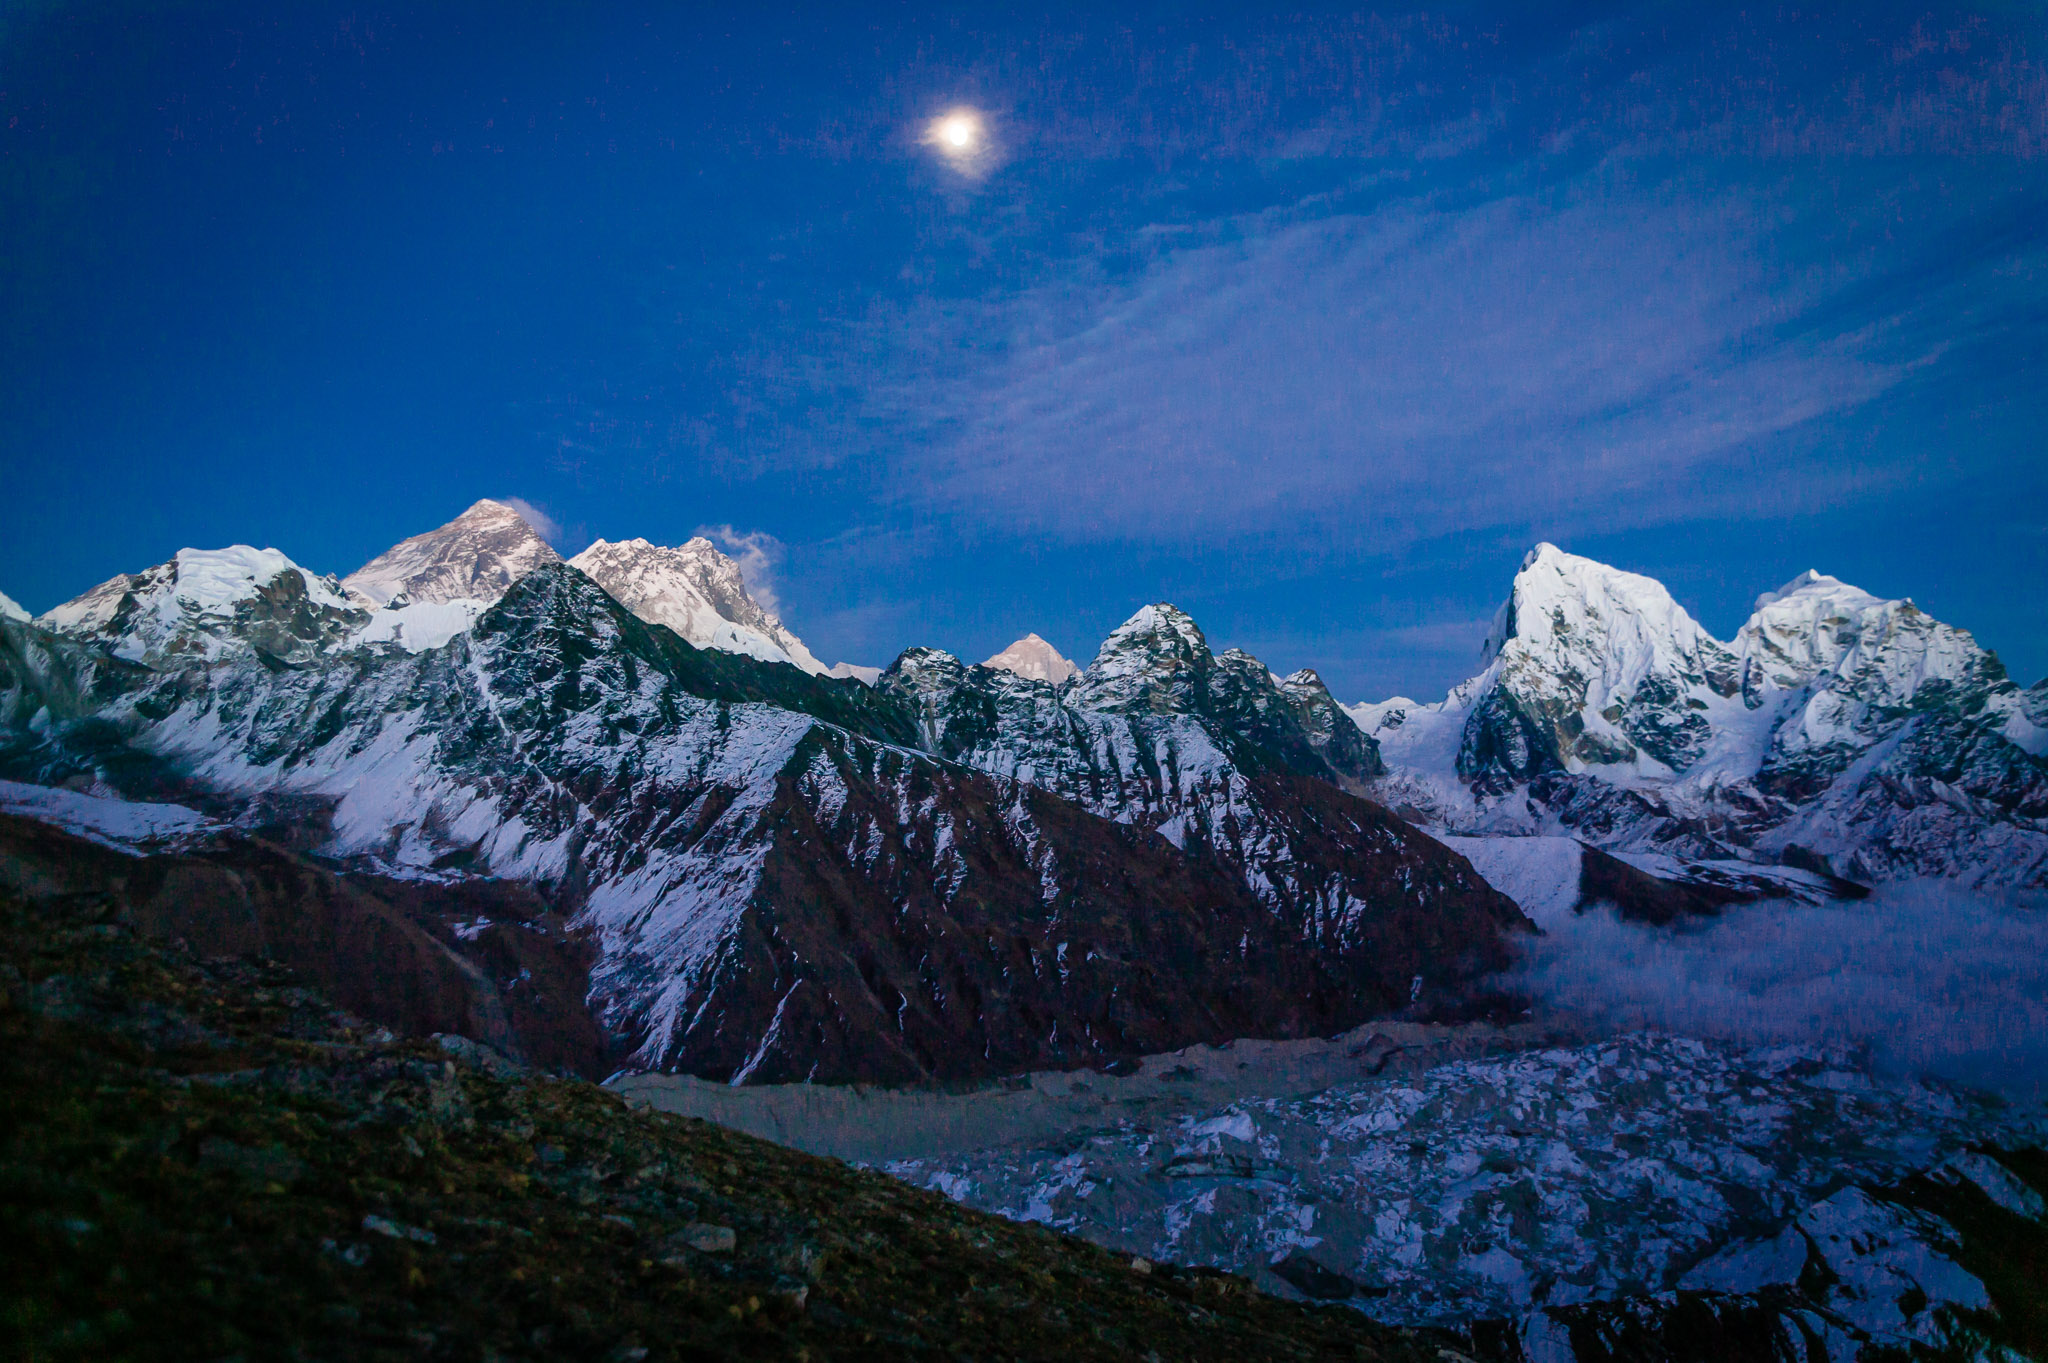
1373 715
855 672
9 610
475 557
1815 586
1033 657
696 591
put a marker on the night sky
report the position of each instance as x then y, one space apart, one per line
1309 322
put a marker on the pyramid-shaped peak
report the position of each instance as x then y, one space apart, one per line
1155 661
475 557
1033 657
1160 620
1601 616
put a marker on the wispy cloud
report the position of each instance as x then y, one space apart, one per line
1598 356
544 525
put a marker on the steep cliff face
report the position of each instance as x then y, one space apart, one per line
1837 725
1587 666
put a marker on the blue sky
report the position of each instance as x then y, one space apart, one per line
1308 321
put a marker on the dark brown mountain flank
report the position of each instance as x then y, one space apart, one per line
482 959
203 1160
915 920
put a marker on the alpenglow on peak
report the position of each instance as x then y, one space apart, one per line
475 557
1033 657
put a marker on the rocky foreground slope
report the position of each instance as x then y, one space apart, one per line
1838 731
205 1159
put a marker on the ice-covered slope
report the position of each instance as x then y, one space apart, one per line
699 593
475 557
206 602
1838 725
1033 657
9 610
779 886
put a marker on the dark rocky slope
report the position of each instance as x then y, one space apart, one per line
483 959
204 1160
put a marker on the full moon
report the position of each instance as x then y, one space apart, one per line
957 134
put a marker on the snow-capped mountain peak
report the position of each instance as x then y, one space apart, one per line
1804 628
1593 666
1155 661
1033 657
9 610
696 591
1564 605
1839 724
844 671
206 600
474 558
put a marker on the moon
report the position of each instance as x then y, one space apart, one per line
959 135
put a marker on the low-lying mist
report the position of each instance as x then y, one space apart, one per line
1924 977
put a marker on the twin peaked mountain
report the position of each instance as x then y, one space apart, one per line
957 871
1837 727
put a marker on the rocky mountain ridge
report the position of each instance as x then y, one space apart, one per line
778 881
1836 726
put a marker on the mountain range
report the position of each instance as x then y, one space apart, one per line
1837 731
940 870
782 875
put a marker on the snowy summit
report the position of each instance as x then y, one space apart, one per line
1033 657
696 591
